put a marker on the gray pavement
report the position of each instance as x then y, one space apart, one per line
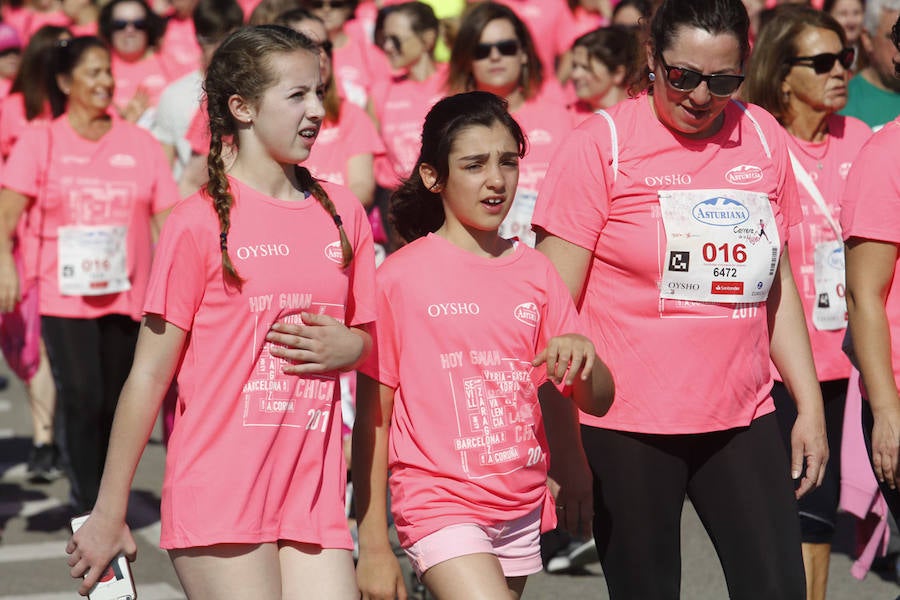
33 526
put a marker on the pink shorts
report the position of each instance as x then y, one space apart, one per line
517 544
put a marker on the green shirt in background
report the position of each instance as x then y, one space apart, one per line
872 105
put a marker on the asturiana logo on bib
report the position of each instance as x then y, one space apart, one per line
527 313
334 253
721 212
744 175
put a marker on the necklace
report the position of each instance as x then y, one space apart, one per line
816 151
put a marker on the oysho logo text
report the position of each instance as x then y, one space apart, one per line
263 250
673 179
453 308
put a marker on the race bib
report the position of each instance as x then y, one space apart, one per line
93 260
830 309
518 220
721 245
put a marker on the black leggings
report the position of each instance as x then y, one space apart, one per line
739 483
90 359
891 496
818 508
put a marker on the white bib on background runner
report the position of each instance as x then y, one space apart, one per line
93 260
721 245
830 309
518 220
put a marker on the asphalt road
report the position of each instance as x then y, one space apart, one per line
33 526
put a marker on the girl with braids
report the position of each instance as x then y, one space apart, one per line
448 403
258 297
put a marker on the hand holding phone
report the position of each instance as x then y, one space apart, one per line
116 582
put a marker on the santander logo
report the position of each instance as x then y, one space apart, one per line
334 253
527 313
744 175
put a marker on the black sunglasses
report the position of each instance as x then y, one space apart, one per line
823 63
334 4
122 24
687 80
504 47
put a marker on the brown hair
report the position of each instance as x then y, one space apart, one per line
474 21
241 66
777 42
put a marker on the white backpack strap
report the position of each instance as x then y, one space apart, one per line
813 190
759 131
614 138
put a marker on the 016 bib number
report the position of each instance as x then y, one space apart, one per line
93 260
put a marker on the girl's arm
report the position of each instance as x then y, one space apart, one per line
791 353
12 205
378 572
322 344
105 533
870 270
361 178
571 261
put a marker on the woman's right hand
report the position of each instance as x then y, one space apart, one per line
886 444
94 546
379 576
10 290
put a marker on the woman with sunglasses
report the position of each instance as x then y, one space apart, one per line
666 216
407 33
355 64
132 31
494 53
799 72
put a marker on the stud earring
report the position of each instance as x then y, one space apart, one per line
652 77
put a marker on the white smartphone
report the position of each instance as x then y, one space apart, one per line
116 583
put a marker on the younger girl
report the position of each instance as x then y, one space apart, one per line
450 403
252 501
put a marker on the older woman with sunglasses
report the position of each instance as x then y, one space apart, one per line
133 31
799 72
672 243
494 52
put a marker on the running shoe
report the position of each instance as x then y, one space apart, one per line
42 464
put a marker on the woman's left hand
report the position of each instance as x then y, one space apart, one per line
809 451
320 345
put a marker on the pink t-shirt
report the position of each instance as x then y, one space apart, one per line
552 28
679 366
401 105
871 210
13 121
337 143
179 52
357 65
148 73
121 179
846 136
585 21
545 123
467 442
255 455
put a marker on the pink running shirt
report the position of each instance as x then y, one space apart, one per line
455 340
679 367
121 179
846 136
180 53
552 28
148 73
401 105
336 143
871 210
13 121
255 455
